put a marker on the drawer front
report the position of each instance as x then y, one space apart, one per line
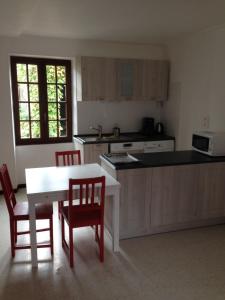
159 146
123 147
100 147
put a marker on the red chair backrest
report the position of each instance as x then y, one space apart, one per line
89 192
67 158
7 189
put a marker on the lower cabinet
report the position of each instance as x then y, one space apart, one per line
187 194
170 198
211 193
134 202
174 195
90 152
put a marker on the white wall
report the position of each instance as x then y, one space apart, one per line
127 116
197 86
127 113
7 149
34 156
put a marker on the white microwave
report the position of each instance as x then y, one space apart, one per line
210 143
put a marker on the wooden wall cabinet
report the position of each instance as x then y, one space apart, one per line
129 79
90 152
155 80
95 79
117 79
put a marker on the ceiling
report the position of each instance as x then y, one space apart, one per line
138 21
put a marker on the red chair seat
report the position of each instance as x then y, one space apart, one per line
43 211
83 216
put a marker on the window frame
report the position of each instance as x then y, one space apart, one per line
43 100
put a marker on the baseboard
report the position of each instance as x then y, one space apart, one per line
19 186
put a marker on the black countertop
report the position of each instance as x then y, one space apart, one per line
123 138
161 159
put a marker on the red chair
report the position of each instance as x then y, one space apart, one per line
87 211
18 211
66 158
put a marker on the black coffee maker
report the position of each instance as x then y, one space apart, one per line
147 126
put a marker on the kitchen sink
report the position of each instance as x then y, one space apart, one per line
107 138
92 138
89 138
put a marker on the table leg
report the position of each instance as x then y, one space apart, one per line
116 219
33 237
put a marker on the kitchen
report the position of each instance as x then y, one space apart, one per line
158 210
195 102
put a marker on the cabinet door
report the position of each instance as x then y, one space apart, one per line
129 79
174 195
93 80
211 190
162 80
98 79
134 202
155 80
92 152
110 79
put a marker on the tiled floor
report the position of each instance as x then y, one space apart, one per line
183 265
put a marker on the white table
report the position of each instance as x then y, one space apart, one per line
51 184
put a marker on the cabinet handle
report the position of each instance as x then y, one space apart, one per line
127 145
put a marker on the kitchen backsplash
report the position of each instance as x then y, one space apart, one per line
127 115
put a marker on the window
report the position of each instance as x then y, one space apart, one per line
42 103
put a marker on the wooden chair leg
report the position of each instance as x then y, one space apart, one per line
51 235
62 229
59 210
15 231
12 237
101 245
71 246
96 233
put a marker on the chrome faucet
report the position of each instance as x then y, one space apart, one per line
99 130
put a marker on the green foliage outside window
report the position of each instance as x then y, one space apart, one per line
29 108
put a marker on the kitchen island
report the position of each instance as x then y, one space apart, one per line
168 191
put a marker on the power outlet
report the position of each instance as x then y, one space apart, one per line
205 122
